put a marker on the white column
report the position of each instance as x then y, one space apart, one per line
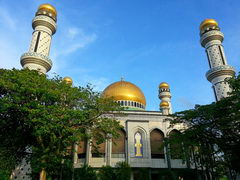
75 155
89 152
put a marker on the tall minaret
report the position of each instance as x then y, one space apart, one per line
164 95
44 25
211 40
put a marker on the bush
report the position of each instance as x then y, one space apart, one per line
85 173
107 173
123 171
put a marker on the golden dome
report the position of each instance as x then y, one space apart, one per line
207 23
49 8
164 104
123 90
68 80
164 85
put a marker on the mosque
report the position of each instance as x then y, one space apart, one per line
144 131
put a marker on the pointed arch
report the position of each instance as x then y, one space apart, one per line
119 144
138 144
157 144
176 148
142 143
98 148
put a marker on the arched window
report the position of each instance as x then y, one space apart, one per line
176 149
138 145
98 148
156 140
81 151
118 145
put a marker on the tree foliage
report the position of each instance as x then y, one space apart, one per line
40 118
213 131
123 171
106 173
85 173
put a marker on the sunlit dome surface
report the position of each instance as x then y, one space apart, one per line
127 92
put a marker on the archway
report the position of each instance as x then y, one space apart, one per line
176 148
156 140
118 145
98 148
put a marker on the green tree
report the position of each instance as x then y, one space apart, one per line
41 118
106 173
85 173
213 132
123 171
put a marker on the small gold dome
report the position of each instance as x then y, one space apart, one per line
68 80
207 23
164 104
164 85
49 8
123 90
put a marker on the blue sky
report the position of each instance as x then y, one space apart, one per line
145 42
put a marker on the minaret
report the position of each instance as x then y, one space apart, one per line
211 40
164 95
44 26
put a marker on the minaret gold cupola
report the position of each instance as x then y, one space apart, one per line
68 80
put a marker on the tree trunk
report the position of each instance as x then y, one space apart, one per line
43 174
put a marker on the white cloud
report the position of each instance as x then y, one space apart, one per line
10 51
98 83
186 103
6 19
71 39
72 32
75 39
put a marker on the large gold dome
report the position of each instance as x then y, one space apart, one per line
123 90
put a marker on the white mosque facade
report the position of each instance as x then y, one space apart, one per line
144 131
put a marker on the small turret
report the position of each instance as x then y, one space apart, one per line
164 107
165 96
68 80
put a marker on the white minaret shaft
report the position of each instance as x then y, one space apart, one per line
211 40
44 25
164 95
